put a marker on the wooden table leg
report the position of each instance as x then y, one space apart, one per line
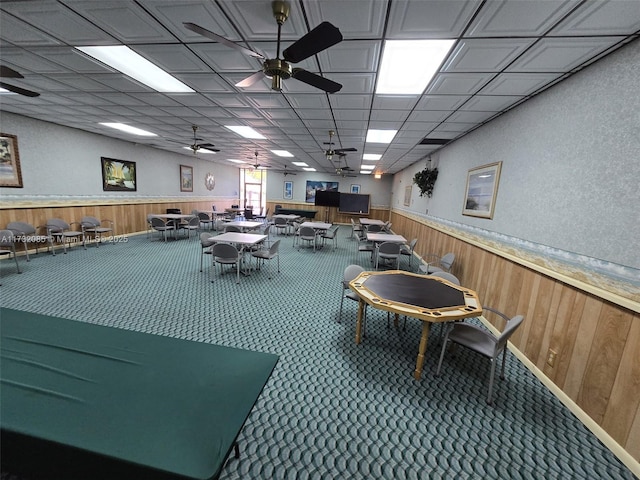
426 326
359 321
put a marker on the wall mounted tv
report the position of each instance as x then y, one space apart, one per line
354 203
327 198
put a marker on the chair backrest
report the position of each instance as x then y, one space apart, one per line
374 228
412 243
274 247
213 208
248 213
157 222
224 250
235 206
6 239
204 216
389 248
351 272
57 225
206 240
266 230
447 276
509 330
88 221
232 228
307 232
194 222
280 221
21 228
447 260
175 211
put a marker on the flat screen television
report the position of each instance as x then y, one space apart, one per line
327 198
354 203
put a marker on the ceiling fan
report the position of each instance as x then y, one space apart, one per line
197 146
320 38
6 72
330 152
258 165
286 172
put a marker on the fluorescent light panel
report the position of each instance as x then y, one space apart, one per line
300 164
367 167
408 66
236 161
200 150
246 132
125 60
365 172
372 156
380 136
282 153
309 169
129 129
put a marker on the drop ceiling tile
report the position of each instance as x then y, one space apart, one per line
351 56
354 18
515 18
518 83
441 102
343 114
128 22
172 58
470 117
254 20
349 101
484 54
204 83
458 83
17 32
490 103
428 116
561 55
59 22
354 82
26 62
433 19
603 17
397 116
223 59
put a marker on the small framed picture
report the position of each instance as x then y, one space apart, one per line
482 188
407 196
288 189
10 173
186 178
355 188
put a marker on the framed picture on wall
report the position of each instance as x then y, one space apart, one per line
288 190
186 178
118 175
482 188
407 196
10 173
355 188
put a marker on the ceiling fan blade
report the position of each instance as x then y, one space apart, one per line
317 81
247 82
320 38
338 151
7 72
209 146
217 38
21 91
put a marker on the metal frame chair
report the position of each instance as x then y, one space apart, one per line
226 254
442 264
61 229
93 226
8 246
270 254
482 341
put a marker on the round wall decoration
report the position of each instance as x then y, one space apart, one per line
209 181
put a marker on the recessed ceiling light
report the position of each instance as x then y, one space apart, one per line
236 161
377 175
282 153
309 169
246 132
408 66
365 172
380 136
371 156
129 129
125 60
299 164
367 167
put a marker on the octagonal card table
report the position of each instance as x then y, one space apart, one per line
429 299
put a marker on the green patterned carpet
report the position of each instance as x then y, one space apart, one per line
332 409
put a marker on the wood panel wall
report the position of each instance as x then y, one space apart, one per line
597 342
334 216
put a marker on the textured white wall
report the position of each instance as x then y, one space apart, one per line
571 165
59 161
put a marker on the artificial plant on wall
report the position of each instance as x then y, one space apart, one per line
425 180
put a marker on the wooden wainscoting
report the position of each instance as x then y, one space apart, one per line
597 342
128 218
334 216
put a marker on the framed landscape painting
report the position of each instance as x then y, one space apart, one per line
288 189
118 175
10 173
482 188
186 178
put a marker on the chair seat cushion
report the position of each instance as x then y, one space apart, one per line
474 337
